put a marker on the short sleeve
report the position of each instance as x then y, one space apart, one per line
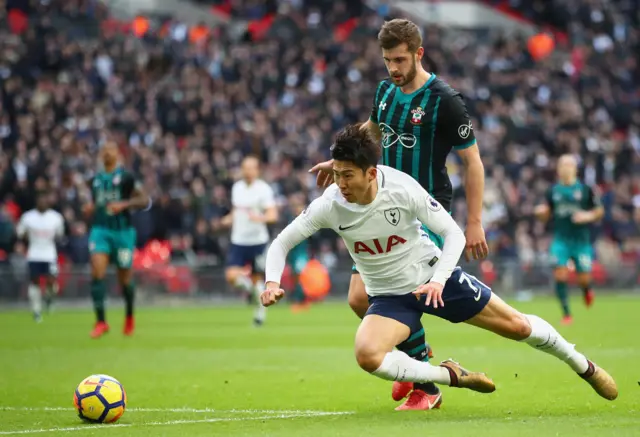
454 126
549 199
60 227
128 184
268 198
592 198
21 228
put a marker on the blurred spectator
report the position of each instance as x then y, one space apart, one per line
185 114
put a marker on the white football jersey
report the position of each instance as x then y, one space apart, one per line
42 229
385 239
246 199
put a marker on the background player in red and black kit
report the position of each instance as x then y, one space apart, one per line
419 119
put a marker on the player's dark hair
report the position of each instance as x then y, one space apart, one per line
354 144
398 31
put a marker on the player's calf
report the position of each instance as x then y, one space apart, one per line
99 263
52 291
417 348
125 279
375 339
561 289
504 320
35 298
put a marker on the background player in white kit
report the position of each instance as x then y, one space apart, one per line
378 212
41 226
253 208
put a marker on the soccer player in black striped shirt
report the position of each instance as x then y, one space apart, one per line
115 193
419 119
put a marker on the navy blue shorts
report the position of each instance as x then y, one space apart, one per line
242 256
38 269
464 296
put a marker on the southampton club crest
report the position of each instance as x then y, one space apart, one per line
393 216
577 195
416 115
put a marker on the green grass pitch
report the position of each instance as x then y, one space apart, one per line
206 372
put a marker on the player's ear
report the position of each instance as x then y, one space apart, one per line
419 53
372 174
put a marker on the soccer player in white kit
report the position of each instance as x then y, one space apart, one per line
378 212
253 208
41 226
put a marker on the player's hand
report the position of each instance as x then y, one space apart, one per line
87 209
324 172
581 217
117 207
271 296
541 212
476 247
433 291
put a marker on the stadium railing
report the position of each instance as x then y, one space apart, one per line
185 282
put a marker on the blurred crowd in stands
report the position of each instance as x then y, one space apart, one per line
185 110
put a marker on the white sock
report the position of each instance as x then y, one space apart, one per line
398 366
545 338
261 313
243 282
35 297
53 289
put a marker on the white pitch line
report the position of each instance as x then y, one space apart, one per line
174 422
176 410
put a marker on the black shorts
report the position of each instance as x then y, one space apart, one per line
39 269
464 296
242 256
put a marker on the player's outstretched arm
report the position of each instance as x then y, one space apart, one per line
454 127
477 247
437 219
324 170
306 224
271 294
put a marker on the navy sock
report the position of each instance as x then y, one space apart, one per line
98 293
563 296
416 347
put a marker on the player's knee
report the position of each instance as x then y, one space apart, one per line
231 274
561 274
369 357
98 272
520 328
